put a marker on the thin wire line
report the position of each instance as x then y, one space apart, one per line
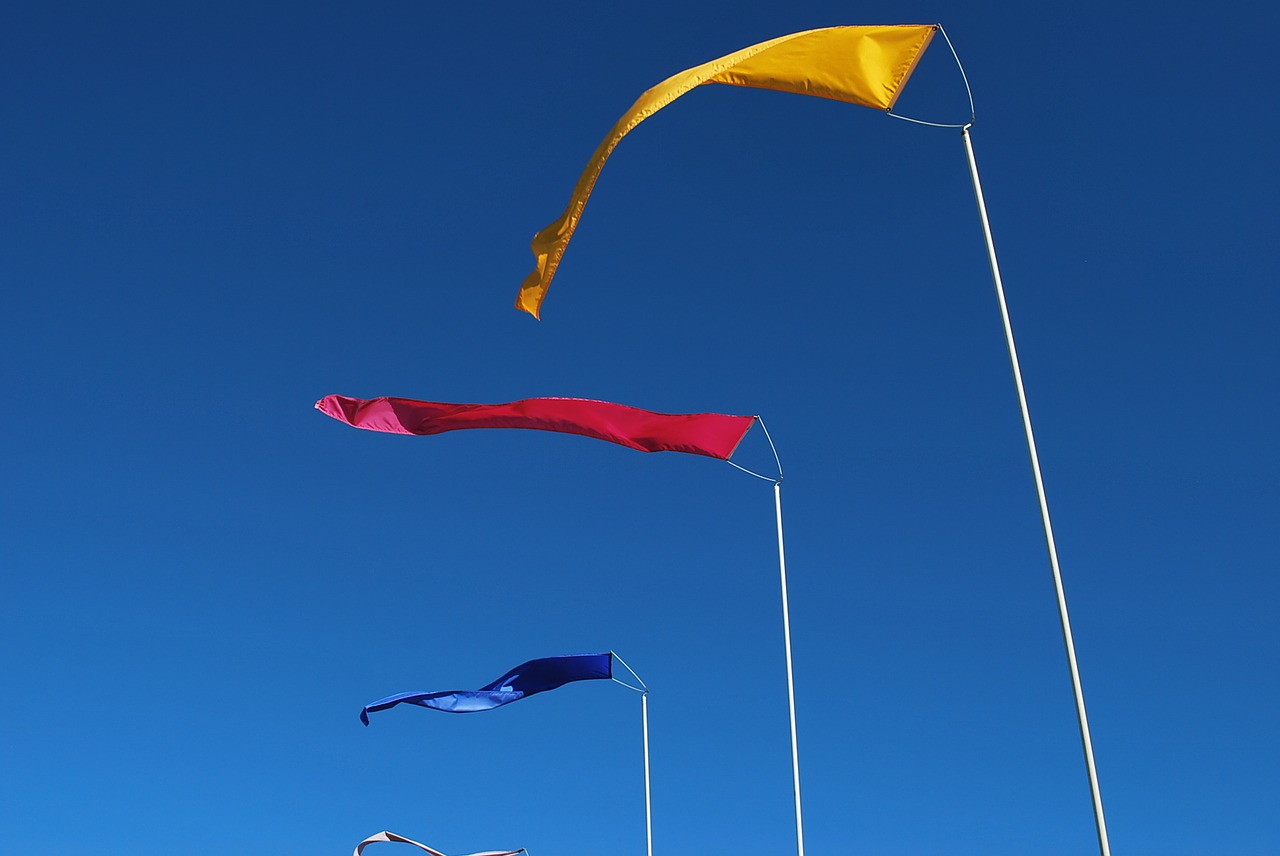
633 674
751 472
973 116
929 124
768 437
776 460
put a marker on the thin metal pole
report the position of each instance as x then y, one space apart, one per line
1099 820
648 810
791 690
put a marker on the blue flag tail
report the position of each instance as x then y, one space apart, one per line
524 680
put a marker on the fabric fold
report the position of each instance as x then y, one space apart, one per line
535 676
714 435
865 65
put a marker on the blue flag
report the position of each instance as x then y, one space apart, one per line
526 679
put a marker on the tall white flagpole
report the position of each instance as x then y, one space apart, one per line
643 689
791 690
786 628
1099 820
648 808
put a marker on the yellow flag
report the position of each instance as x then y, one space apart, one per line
861 65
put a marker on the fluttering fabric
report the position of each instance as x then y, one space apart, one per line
715 435
859 65
535 676
392 837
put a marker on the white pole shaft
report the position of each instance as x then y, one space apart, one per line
1099 820
791 689
648 809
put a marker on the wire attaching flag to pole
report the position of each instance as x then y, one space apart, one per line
391 837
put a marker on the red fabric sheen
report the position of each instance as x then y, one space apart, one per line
715 435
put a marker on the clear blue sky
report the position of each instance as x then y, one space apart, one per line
212 215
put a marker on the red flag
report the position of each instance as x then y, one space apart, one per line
715 435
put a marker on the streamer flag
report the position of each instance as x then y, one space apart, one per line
859 65
392 837
524 680
715 435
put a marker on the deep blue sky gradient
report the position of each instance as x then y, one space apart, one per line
210 216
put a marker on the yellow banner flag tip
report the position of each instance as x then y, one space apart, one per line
866 65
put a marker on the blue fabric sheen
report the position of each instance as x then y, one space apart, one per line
529 678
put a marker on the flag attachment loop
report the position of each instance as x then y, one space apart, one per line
391 837
972 113
776 459
640 689
753 473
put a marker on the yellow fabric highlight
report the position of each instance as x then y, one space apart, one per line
860 65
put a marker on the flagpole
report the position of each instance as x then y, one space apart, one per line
643 689
791 690
786 628
648 810
1099 820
